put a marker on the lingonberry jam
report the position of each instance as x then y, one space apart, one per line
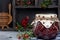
46 29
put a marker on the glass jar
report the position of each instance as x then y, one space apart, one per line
45 27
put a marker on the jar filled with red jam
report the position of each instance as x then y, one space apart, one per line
45 26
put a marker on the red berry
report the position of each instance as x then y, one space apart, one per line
28 3
26 36
16 27
19 37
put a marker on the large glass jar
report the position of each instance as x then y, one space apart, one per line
45 26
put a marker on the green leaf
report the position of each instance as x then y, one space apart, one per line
20 27
47 2
24 38
18 24
29 26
